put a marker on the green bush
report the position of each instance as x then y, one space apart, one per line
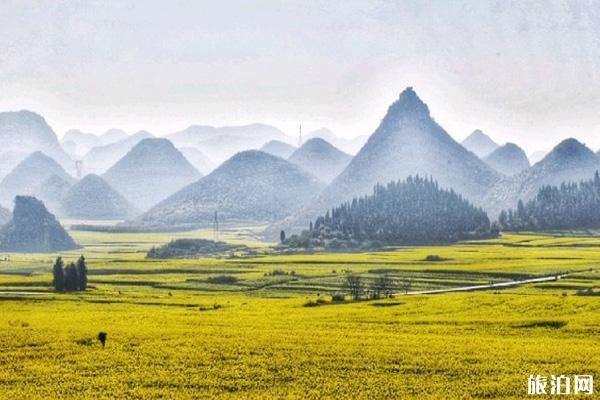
338 297
222 279
434 258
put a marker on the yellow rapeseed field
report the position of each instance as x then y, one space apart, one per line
172 334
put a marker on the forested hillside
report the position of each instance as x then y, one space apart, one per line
569 206
414 211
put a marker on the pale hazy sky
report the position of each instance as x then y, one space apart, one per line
522 71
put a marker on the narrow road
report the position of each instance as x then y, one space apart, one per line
17 293
500 285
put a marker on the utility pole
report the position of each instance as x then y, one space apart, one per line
79 168
216 226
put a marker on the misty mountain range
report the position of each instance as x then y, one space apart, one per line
185 177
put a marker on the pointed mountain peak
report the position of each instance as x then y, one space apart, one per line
478 134
409 94
408 106
571 145
512 147
40 156
250 156
92 179
154 143
153 151
318 143
38 163
251 186
480 143
152 163
568 151
508 159
93 198
320 158
410 102
509 150
278 148
37 155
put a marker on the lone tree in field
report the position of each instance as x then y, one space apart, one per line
354 285
71 278
382 286
82 273
58 274
282 236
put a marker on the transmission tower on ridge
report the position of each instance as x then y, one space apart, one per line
300 137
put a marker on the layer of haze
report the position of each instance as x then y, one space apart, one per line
526 72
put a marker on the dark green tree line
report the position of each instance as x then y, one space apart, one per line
414 211
70 278
570 206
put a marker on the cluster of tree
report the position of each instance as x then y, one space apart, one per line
382 286
70 278
191 248
570 206
411 212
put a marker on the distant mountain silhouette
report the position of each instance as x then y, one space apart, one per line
27 177
220 143
407 142
480 144
508 159
350 146
279 149
77 143
94 199
252 186
150 172
25 132
99 159
52 192
198 159
113 136
321 159
570 161
33 229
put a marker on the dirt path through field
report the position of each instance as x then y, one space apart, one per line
22 293
500 285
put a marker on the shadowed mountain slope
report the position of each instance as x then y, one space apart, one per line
33 229
29 176
570 161
252 186
407 142
509 159
152 171
321 159
93 198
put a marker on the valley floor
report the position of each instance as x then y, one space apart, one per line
173 334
